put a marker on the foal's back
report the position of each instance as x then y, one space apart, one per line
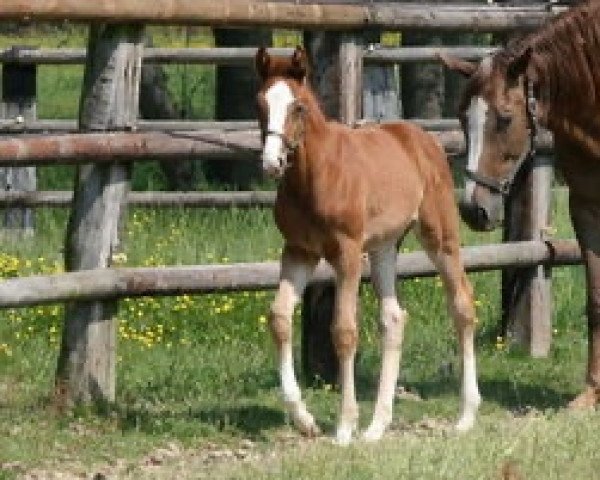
397 164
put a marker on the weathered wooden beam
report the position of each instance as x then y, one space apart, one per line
132 282
237 55
20 125
526 292
423 54
243 13
109 100
350 88
201 55
147 199
126 147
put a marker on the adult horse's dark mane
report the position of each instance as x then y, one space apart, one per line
565 59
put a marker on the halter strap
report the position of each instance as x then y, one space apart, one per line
291 145
503 187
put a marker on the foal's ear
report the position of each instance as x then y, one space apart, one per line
299 64
262 60
518 65
459 65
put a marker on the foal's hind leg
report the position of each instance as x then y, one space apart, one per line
296 269
438 233
392 319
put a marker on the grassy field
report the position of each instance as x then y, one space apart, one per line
197 383
197 388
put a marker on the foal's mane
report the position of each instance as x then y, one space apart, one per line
565 58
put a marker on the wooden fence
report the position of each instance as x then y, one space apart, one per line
115 138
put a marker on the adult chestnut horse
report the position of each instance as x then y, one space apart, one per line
346 191
550 78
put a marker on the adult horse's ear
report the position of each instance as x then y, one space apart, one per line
518 64
299 63
262 61
457 64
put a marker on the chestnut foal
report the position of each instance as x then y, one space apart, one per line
342 192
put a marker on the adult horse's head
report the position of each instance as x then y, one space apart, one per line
497 114
281 112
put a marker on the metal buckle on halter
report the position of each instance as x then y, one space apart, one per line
504 187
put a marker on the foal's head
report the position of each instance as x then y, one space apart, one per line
281 112
497 123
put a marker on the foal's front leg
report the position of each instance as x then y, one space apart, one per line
296 269
345 334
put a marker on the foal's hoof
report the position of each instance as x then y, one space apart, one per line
307 425
343 435
374 432
586 399
310 431
465 423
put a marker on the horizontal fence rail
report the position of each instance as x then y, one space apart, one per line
21 125
127 147
235 56
132 282
146 199
243 13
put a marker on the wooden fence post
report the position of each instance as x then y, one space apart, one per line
336 60
18 104
109 101
381 92
526 292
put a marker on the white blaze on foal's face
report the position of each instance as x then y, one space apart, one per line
279 97
476 114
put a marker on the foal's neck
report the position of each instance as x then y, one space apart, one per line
309 158
315 119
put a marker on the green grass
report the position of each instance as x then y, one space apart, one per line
197 374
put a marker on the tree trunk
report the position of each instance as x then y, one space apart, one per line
236 88
454 84
423 83
109 101
18 103
336 76
156 104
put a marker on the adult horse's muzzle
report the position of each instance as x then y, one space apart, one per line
483 216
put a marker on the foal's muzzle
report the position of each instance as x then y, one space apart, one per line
275 169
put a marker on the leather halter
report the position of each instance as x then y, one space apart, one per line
504 186
290 145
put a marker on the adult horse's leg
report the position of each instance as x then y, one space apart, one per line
438 233
392 319
586 221
296 269
347 264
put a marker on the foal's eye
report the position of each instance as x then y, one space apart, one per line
503 120
298 109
